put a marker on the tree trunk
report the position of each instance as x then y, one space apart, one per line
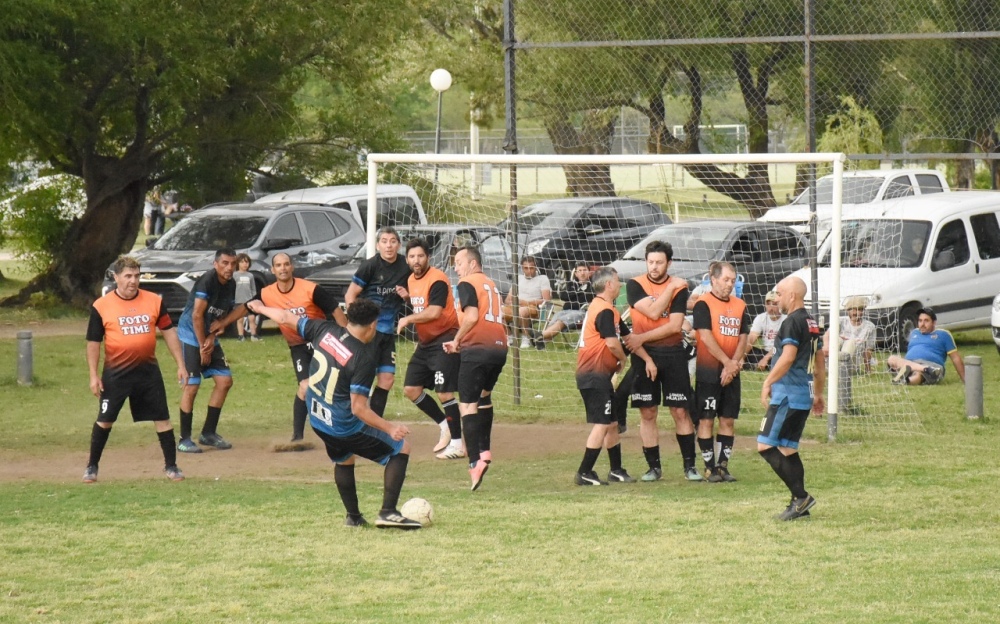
594 137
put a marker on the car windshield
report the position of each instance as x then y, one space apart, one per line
880 243
856 191
690 244
543 218
211 232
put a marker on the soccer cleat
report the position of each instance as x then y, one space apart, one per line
525 342
90 474
691 474
241 338
723 471
620 476
540 343
187 445
486 456
903 376
477 473
214 440
653 474
588 478
712 475
256 339
452 451
174 473
392 519
797 508
356 521
443 441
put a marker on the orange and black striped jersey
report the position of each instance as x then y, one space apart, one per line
727 320
639 288
593 356
305 299
433 288
489 331
128 329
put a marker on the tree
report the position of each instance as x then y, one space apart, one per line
128 94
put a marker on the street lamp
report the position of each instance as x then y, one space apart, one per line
440 81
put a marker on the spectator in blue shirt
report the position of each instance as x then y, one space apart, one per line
926 354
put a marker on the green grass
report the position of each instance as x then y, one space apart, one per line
905 528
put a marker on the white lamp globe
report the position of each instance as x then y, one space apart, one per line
440 80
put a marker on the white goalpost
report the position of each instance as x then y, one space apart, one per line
569 210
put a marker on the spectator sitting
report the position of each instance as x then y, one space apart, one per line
764 328
858 337
578 293
926 353
533 290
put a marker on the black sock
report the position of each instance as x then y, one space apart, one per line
796 475
395 473
707 446
299 415
652 455
777 462
589 459
486 423
470 427
343 476
98 438
169 447
454 419
380 396
187 420
430 407
615 456
686 444
211 420
725 448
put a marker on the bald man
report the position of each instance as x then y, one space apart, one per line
794 385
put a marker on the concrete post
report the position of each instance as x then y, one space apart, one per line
25 365
973 387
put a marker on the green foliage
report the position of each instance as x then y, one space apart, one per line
852 130
35 219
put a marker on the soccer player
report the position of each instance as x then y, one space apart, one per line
211 306
722 322
599 356
482 341
341 374
436 322
376 280
126 320
307 300
794 384
658 304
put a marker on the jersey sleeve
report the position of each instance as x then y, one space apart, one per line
467 295
623 328
310 329
363 373
365 273
949 343
325 300
163 321
95 327
702 316
205 287
793 331
744 322
545 284
605 324
680 302
634 292
438 295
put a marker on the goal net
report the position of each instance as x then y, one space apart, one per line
573 214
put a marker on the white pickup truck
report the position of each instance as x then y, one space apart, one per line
860 188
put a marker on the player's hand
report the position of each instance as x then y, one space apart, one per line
765 395
819 405
253 304
96 387
727 377
402 292
399 432
762 364
450 347
216 327
182 376
676 283
632 341
403 322
651 370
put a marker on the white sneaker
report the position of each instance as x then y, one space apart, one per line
525 342
454 450
444 440
510 340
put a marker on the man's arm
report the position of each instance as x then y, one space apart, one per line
674 326
470 316
956 359
782 366
361 409
93 359
174 346
235 314
353 292
819 381
279 316
428 314
654 309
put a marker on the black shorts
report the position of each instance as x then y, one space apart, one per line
143 387
480 370
782 425
218 365
369 443
597 400
431 367
672 383
385 350
302 356
712 399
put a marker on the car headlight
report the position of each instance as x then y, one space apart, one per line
996 303
194 275
536 246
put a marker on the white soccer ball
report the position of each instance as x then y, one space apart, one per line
418 509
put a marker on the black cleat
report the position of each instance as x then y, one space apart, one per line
392 519
797 508
723 472
588 478
712 475
620 476
355 521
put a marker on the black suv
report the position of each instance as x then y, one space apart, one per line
316 237
597 230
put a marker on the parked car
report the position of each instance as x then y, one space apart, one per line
316 237
763 253
860 188
398 204
444 240
995 321
598 230
941 251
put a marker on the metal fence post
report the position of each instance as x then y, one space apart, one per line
973 387
25 365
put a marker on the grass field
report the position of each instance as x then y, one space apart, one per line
905 528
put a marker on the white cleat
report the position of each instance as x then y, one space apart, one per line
452 451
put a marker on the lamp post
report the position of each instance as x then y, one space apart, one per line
441 82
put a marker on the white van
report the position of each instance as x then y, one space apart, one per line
398 204
941 251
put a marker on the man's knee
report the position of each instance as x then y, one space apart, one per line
412 392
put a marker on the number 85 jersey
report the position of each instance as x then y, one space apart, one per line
341 366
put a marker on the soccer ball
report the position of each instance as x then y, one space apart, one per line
418 509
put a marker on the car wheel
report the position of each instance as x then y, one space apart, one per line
907 323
